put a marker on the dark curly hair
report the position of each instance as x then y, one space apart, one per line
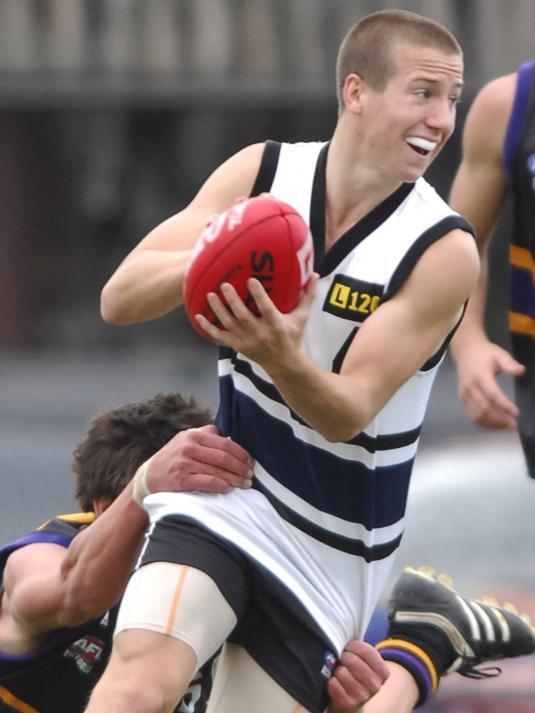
119 440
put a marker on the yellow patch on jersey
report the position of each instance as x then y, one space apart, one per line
352 299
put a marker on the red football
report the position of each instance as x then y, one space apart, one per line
260 237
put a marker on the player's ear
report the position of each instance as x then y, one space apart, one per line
352 93
101 504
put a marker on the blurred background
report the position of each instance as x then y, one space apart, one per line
112 112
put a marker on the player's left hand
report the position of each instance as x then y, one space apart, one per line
269 339
359 675
478 367
199 459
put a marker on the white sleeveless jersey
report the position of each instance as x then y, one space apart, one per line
326 518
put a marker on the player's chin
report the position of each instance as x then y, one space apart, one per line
415 168
410 174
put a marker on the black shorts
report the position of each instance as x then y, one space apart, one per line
273 626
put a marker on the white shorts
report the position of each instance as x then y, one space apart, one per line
197 587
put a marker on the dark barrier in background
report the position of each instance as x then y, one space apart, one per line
84 186
113 112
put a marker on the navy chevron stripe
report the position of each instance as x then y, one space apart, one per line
337 486
371 444
338 542
268 168
325 263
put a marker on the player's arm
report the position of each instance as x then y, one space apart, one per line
391 345
48 586
478 192
479 187
148 283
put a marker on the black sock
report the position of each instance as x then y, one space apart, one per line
423 650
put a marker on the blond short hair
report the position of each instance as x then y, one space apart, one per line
366 48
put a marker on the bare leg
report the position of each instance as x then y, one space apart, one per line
242 686
148 673
172 619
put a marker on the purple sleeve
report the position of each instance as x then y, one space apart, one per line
516 120
31 539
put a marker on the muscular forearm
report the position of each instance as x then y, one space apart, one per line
49 587
100 560
146 285
328 402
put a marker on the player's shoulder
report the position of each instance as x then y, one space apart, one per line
427 192
447 231
456 253
59 530
294 150
299 149
232 178
426 198
245 159
67 524
487 119
304 146
496 96
250 152
447 271
251 156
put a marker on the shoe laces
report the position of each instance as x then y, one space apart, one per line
479 673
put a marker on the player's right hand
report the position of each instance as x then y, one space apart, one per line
359 675
202 460
271 341
484 400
